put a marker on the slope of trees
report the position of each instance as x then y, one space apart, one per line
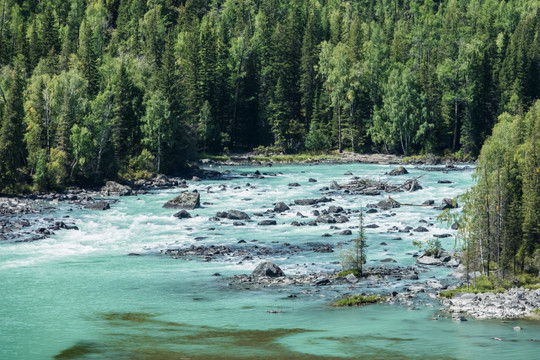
100 89
501 220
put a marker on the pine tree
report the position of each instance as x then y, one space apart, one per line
11 131
87 58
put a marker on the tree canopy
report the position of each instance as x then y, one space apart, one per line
101 89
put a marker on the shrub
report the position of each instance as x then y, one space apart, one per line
357 300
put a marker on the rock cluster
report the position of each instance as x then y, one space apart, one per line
514 303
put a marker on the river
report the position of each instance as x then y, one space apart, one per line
78 295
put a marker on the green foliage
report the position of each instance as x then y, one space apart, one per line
502 212
41 177
402 77
317 139
141 167
357 300
355 272
430 247
483 284
354 258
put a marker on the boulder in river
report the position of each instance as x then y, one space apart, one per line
182 214
412 185
447 203
267 222
281 207
115 189
98 205
237 215
385 204
429 260
268 269
335 209
186 200
400 170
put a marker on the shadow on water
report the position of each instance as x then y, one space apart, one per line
140 336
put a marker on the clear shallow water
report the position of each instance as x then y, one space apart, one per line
77 295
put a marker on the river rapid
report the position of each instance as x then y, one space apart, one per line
78 295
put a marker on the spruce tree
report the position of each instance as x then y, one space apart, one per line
11 131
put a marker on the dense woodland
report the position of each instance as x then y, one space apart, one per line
501 220
104 89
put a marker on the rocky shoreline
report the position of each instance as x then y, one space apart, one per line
511 304
430 162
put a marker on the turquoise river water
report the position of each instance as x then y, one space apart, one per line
77 295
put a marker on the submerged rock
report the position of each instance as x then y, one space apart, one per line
267 268
182 214
186 200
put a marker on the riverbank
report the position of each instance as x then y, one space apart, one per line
511 304
346 157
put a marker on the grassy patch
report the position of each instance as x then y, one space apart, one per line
355 272
294 158
357 300
213 157
492 284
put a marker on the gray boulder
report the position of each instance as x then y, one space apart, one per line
400 170
281 207
186 200
335 209
420 229
321 282
267 222
386 204
237 215
98 205
412 185
327 219
447 203
305 201
334 186
112 188
429 260
182 214
268 269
